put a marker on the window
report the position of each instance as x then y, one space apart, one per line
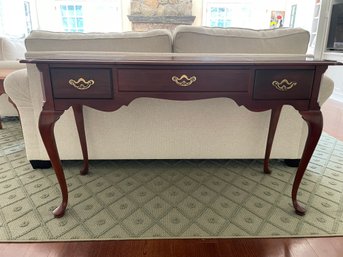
225 14
72 17
220 17
86 15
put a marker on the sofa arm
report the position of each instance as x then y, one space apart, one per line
7 67
16 86
326 89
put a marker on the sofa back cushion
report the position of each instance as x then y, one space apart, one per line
152 41
191 39
11 49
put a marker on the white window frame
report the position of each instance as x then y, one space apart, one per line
293 15
28 16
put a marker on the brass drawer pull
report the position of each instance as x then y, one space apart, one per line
81 83
284 85
184 81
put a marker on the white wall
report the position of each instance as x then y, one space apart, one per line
125 10
197 11
304 13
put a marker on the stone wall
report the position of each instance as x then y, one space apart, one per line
152 14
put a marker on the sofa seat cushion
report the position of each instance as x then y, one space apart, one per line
192 39
159 40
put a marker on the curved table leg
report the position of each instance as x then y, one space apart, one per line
274 119
314 121
78 114
47 121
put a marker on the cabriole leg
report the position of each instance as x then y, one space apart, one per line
78 114
274 119
314 120
47 122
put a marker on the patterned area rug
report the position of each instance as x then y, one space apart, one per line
168 199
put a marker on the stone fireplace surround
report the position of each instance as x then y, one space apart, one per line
167 14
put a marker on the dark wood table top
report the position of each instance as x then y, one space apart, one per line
163 58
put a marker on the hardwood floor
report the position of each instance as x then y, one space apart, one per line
276 247
283 247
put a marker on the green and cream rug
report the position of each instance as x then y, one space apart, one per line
168 199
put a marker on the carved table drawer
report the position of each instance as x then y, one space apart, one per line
283 84
170 80
75 83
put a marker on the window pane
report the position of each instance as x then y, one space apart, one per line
78 9
72 22
65 22
71 10
214 10
227 23
63 9
79 22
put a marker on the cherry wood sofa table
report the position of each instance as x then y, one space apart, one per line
109 83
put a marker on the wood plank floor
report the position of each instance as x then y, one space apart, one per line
277 247
283 247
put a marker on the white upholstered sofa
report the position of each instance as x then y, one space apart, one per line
10 53
164 129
